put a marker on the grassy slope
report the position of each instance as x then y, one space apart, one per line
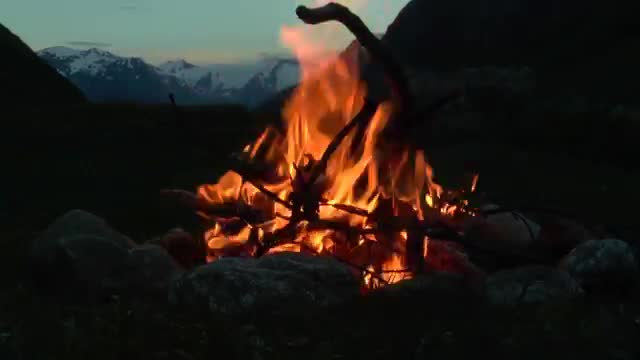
26 79
112 160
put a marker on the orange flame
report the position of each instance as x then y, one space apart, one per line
330 94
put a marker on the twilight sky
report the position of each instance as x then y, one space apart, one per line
201 31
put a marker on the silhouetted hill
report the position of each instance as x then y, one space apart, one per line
26 79
585 47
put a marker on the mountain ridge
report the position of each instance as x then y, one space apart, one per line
106 77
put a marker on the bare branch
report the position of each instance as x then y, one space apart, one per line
375 47
365 114
227 210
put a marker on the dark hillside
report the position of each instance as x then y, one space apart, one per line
27 80
584 47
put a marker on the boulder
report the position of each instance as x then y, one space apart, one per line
530 285
434 284
500 240
186 250
450 257
559 236
151 269
80 254
511 231
280 281
607 265
79 251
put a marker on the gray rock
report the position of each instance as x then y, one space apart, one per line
79 251
270 283
151 270
559 236
79 222
517 231
603 265
530 285
502 236
439 284
450 257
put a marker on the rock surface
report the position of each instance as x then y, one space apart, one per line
501 239
559 236
80 253
79 250
603 265
438 284
449 257
270 283
151 270
183 248
530 285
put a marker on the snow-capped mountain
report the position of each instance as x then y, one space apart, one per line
250 81
104 76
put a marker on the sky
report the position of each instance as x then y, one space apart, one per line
200 31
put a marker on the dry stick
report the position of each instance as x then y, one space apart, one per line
380 53
227 210
377 50
367 111
273 196
348 208
375 47
246 214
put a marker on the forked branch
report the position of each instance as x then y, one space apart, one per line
375 47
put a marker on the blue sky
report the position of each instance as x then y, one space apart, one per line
202 31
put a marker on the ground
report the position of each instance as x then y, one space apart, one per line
113 160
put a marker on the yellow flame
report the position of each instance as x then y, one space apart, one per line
330 94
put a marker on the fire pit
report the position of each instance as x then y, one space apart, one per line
338 180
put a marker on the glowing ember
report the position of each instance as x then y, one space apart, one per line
348 202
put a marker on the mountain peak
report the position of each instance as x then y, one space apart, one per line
107 77
59 51
175 66
100 52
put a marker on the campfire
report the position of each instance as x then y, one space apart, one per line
338 178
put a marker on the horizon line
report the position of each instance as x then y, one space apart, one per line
222 59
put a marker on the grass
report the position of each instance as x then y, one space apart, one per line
113 159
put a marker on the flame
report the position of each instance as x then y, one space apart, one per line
330 94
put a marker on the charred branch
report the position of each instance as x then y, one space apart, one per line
254 170
227 210
416 230
348 208
365 114
255 175
375 47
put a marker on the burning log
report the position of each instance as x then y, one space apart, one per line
235 209
334 183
